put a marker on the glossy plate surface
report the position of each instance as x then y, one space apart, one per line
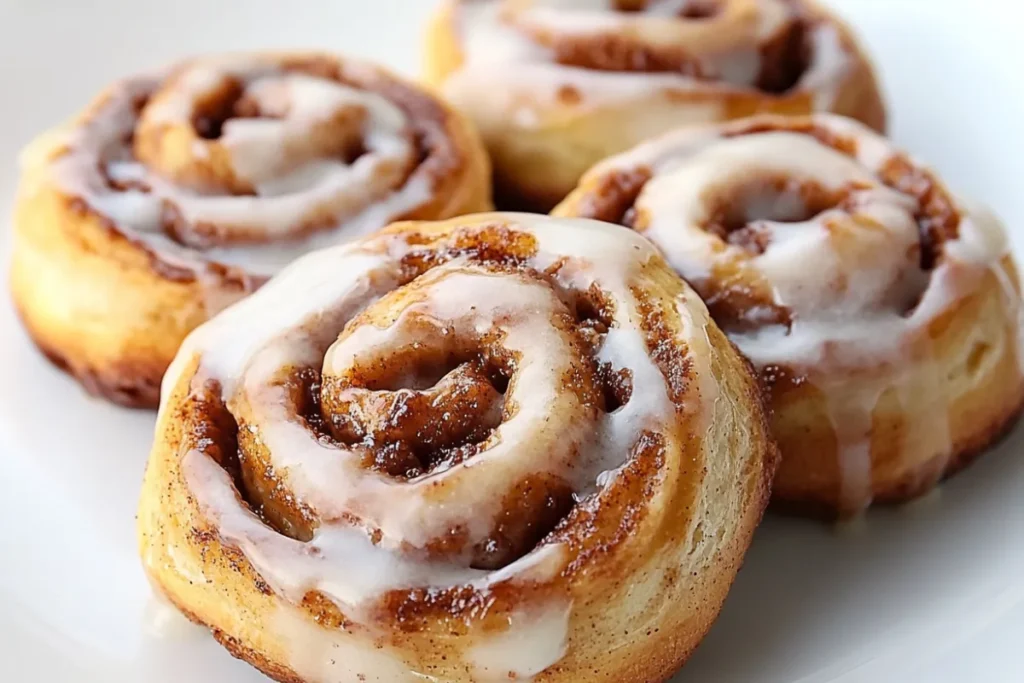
931 593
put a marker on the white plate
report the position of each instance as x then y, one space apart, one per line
933 592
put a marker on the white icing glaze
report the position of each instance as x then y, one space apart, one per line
527 442
529 91
295 320
305 195
853 436
848 275
524 650
735 26
507 42
317 655
829 69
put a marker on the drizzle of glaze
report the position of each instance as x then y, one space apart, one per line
316 162
514 42
315 655
307 316
514 654
848 268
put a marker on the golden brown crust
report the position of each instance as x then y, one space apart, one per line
93 303
547 135
981 408
668 530
912 485
129 384
945 385
111 307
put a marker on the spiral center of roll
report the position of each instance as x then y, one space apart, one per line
243 152
422 384
215 130
468 361
424 409
219 105
739 211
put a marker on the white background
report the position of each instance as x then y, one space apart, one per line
932 593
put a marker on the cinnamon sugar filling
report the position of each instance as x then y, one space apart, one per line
432 406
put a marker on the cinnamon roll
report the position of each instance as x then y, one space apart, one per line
557 85
501 447
882 312
176 193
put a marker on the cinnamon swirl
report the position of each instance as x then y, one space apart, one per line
500 447
557 85
177 193
882 312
